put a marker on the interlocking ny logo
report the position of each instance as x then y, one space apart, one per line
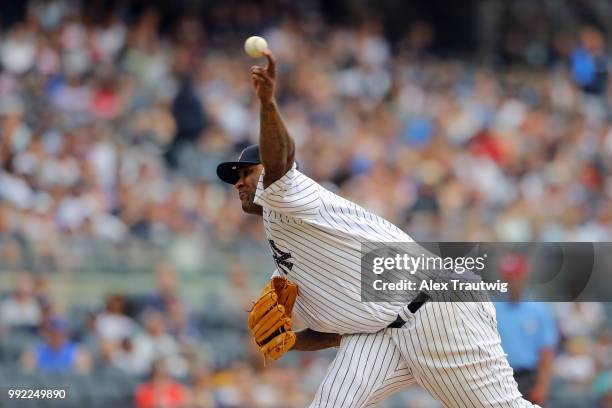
281 258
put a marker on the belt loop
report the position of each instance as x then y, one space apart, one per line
407 312
398 323
418 301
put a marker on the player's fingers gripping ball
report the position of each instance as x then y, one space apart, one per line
270 318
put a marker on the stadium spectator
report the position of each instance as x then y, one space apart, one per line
21 309
161 390
125 359
528 332
155 343
167 287
589 62
575 365
202 388
113 324
180 324
56 353
583 319
575 370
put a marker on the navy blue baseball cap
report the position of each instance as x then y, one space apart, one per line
228 171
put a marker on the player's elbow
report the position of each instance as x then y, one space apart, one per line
277 169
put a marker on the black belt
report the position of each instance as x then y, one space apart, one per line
413 306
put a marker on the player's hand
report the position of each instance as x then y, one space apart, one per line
264 79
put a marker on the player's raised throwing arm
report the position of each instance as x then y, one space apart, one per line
276 146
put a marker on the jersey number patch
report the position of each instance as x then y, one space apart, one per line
281 258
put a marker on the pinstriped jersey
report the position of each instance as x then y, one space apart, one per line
315 237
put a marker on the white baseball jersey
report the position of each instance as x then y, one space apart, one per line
452 349
315 237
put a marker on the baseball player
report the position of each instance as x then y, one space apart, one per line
452 349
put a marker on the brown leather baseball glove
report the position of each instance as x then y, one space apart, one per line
270 318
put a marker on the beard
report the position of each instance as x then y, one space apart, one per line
249 207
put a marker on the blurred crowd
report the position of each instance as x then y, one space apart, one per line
141 350
112 123
153 347
112 130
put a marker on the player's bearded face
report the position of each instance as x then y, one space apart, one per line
246 186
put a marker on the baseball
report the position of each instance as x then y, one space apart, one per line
254 46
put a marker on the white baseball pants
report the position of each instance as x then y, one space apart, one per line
451 349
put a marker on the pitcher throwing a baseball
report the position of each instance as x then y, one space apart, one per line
452 349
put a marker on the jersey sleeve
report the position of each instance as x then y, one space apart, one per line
294 194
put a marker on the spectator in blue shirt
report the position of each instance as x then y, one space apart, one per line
588 62
528 332
57 353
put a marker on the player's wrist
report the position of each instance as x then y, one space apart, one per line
268 102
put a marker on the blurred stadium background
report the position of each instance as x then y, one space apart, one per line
472 120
